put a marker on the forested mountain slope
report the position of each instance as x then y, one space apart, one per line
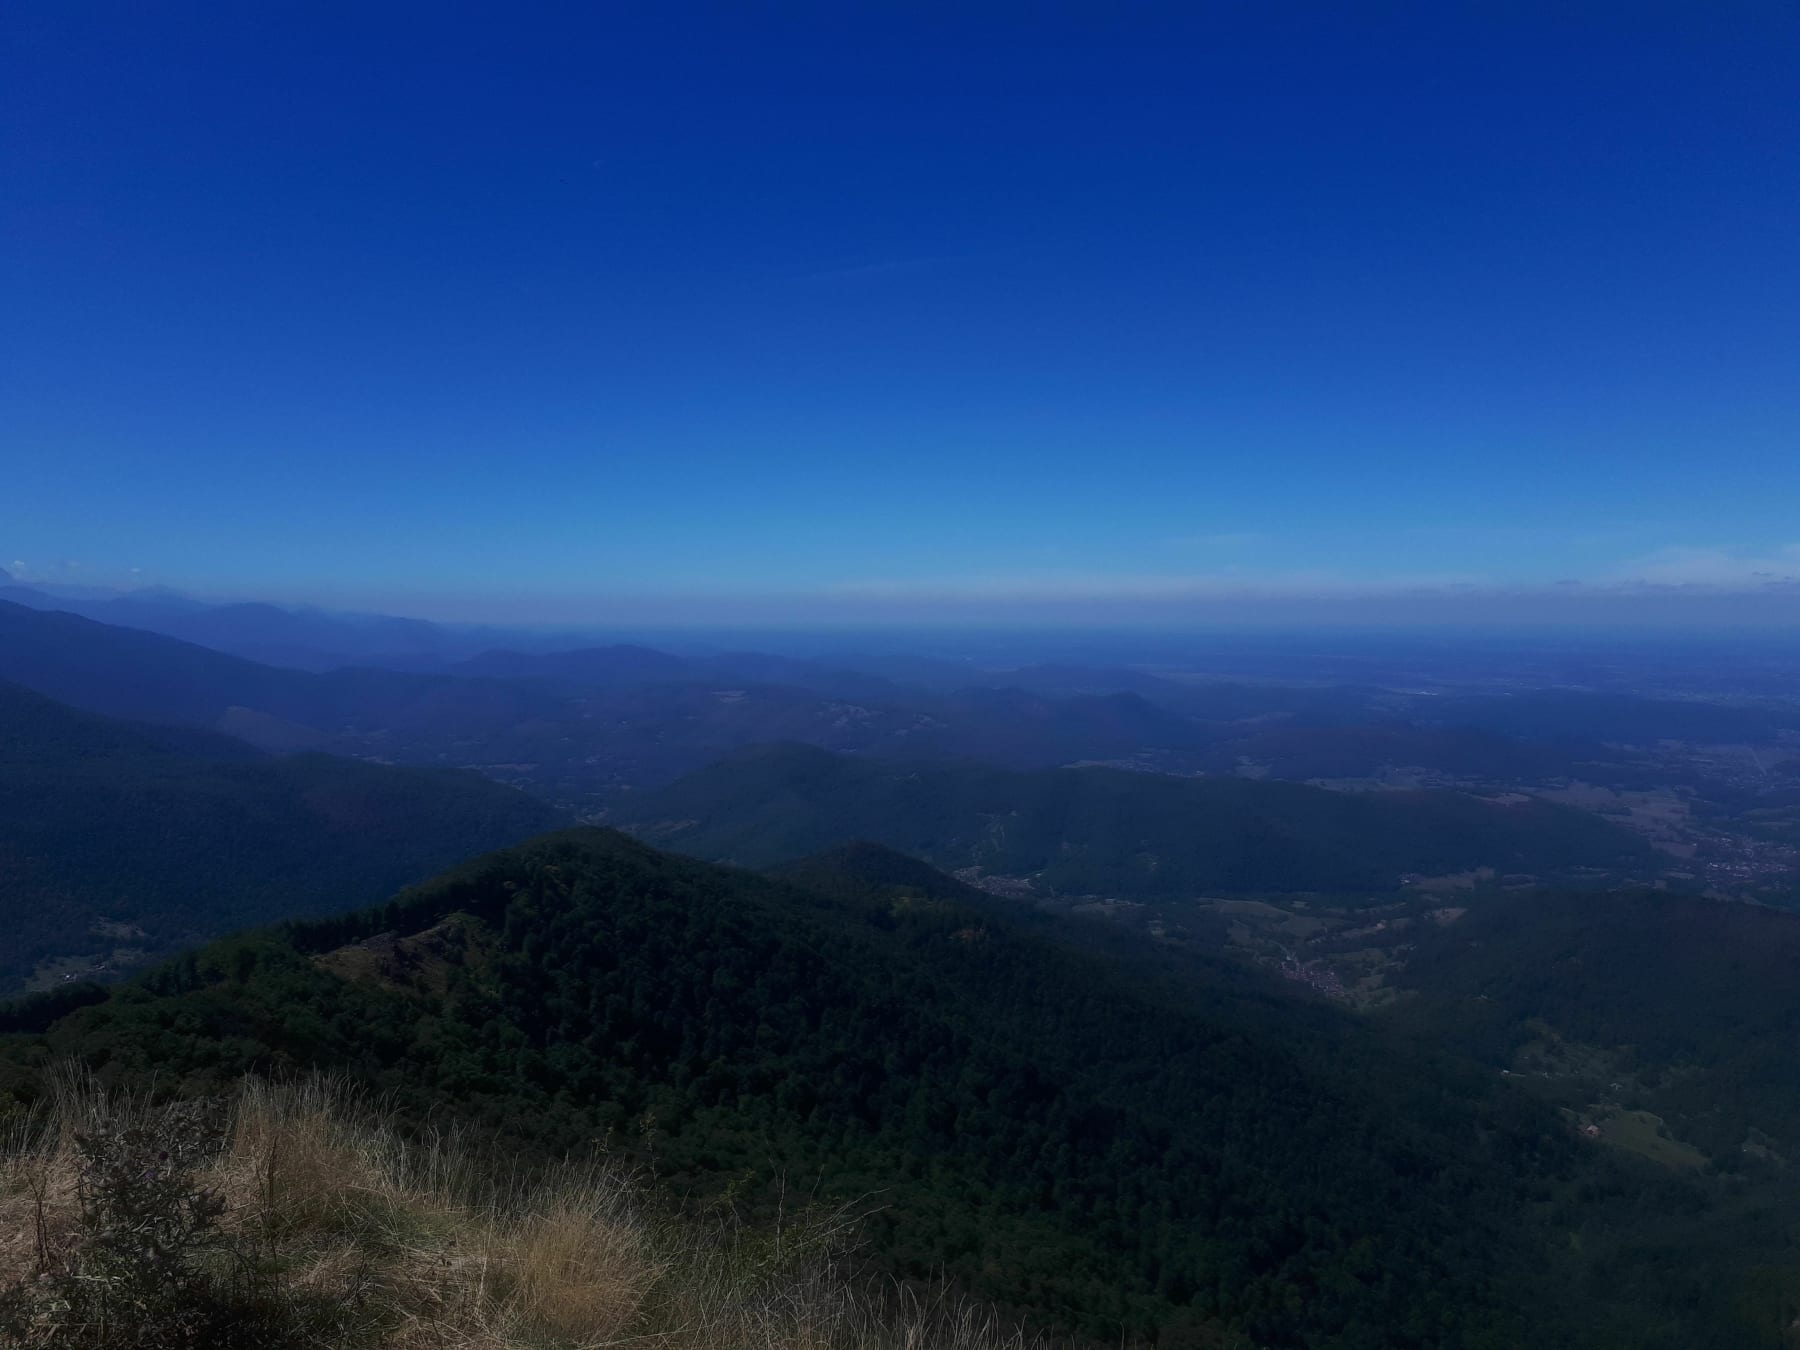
1293 748
1683 1007
120 841
1593 715
1026 1108
1102 830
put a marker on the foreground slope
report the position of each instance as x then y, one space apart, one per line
1105 830
293 1197
1093 1139
123 841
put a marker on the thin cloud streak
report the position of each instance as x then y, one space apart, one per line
1717 567
1102 586
1672 586
1241 539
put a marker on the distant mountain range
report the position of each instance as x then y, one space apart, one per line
570 725
592 730
304 638
317 640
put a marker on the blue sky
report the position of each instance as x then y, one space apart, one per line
582 312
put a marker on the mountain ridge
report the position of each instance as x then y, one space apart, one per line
1045 1130
1098 830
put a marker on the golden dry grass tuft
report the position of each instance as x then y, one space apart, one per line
336 1230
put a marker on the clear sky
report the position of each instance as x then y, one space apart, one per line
567 312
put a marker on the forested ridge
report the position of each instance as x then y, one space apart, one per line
1080 1132
1085 830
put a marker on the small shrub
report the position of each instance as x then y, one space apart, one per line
146 1226
147 1265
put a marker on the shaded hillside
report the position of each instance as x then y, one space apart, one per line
1030 1116
1292 749
120 841
583 668
1101 830
1020 729
122 672
1210 700
38 731
659 704
1629 719
1688 1008
301 637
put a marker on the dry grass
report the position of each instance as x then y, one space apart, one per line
355 1236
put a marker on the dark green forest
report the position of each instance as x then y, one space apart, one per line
1690 1005
1079 1128
1097 830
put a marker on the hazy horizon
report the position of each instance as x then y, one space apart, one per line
1568 610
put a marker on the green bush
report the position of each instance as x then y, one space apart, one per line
148 1265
